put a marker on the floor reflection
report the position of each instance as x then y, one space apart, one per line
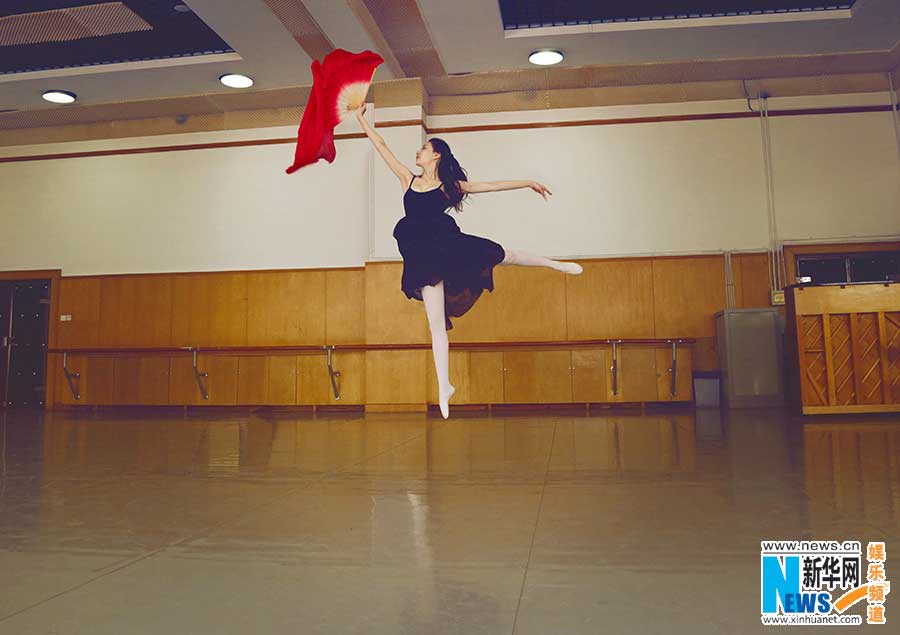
571 498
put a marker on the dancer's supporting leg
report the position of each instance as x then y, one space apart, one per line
433 296
529 260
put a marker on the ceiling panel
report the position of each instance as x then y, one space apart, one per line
169 33
524 14
470 45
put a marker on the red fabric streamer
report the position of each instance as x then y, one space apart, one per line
340 84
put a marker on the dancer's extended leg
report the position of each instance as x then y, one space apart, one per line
529 260
433 296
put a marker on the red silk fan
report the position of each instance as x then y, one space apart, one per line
340 84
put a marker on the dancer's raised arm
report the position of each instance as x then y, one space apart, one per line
498 186
403 173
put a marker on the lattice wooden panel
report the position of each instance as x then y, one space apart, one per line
868 356
812 354
842 360
892 344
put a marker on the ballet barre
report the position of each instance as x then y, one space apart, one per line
73 377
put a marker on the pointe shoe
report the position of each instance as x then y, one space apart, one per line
571 267
444 402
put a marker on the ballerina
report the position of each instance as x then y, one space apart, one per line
444 268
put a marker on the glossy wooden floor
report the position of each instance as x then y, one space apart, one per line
405 523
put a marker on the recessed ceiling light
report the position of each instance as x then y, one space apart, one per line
545 57
236 81
182 8
59 96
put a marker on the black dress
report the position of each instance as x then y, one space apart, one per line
434 249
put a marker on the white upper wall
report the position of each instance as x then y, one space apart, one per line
629 189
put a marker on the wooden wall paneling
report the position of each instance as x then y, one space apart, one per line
396 377
531 304
282 380
611 299
100 380
684 390
117 300
135 311
228 310
80 298
253 380
223 378
190 315
345 306
637 374
210 309
286 308
590 374
352 382
537 376
485 377
751 280
687 293
126 379
153 386
63 394
705 355
392 318
153 310
183 390
459 377
313 383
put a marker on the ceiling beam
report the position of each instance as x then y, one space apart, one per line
403 28
361 11
297 19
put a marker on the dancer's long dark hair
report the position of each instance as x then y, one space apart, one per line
451 173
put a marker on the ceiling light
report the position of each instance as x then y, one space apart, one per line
545 57
236 81
59 96
182 8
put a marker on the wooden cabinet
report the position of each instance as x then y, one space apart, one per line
637 374
396 376
485 377
253 379
591 375
537 376
281 380
684 389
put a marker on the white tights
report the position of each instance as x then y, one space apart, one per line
433 297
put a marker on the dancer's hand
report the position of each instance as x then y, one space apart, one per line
361 110
540 189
